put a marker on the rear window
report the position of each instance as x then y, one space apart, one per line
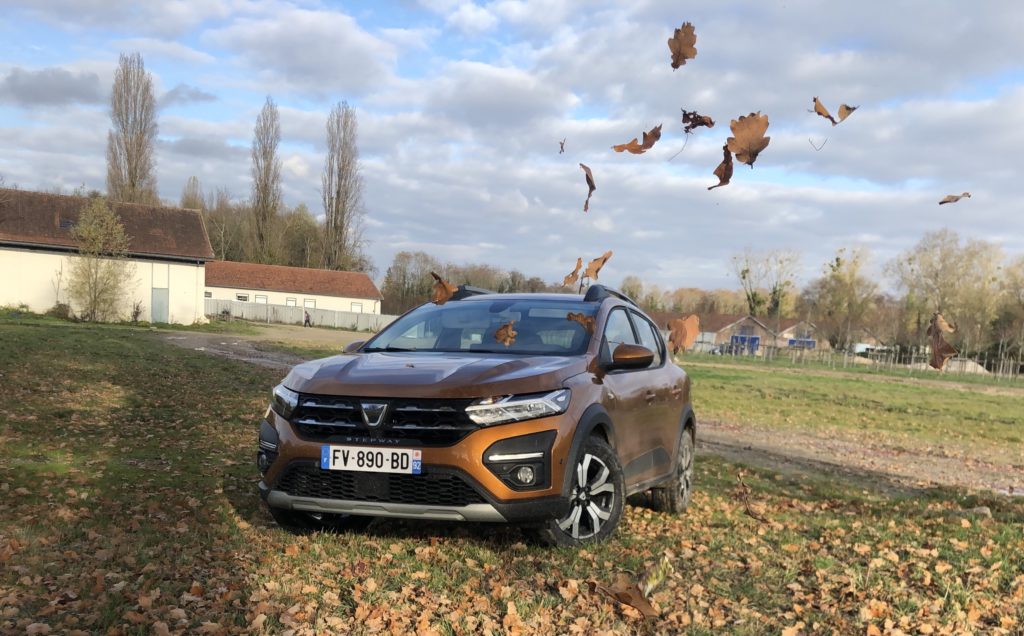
543 327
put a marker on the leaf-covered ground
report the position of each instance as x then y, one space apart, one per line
129 507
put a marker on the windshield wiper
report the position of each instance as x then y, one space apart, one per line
387 348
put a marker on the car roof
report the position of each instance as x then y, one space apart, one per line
525 296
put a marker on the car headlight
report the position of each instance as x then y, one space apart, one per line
516 408
283 400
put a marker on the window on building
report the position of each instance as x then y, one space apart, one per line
261 299
357 308
290 302
242 297
207 294
309 303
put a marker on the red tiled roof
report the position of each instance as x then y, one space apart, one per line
36 218
300 280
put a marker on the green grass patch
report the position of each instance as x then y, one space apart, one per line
129 499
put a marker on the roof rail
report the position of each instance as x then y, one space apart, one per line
465 291
596 293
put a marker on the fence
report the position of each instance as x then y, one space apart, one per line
911 362
261 312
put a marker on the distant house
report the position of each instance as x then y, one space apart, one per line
739 333
292 287
796 333
167 247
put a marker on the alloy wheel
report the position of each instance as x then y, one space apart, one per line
592 499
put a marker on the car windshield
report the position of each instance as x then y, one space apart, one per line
541 327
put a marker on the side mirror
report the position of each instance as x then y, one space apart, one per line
354 347
630 356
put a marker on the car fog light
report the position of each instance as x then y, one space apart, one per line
263 462
525 475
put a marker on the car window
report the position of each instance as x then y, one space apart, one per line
617 331
648 337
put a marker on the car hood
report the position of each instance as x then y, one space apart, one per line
429 374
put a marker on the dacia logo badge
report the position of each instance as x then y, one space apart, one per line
373 413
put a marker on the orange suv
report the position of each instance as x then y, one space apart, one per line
543 410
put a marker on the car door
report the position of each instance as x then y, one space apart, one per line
627 400
659 426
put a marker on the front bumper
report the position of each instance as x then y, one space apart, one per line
497 501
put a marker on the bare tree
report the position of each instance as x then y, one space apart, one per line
192 195
780 267
266 177
131 174
225 225
100 273
750 270
342 192
842 297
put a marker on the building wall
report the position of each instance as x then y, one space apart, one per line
32 277
744 327
334 303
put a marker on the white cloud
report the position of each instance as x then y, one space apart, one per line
472 19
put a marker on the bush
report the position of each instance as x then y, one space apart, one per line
60 310
136 311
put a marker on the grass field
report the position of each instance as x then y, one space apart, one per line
129 507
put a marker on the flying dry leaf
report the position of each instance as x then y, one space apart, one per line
443 290
651 137
953 198
683 332
574 275
820 109
594 266
941 350
692 119
506 334
590 185
682 45
656 575
724 169
588 322
846 110
748 138
561 146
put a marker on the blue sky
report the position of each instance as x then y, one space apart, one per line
461 105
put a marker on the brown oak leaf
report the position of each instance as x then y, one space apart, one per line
506 334
941 350
692 119
625 591
574 275
588 322
561 146
443 290
748 138
683 332
820 109
594 266
651 137
682 45
846 110
724 169
590 185
953 198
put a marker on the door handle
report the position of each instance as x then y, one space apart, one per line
650 396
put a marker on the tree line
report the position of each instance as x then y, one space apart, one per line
261 228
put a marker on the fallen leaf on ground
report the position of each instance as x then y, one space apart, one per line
627 592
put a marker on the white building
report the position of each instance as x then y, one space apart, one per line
292 287
168 248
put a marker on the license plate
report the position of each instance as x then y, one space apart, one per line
371 460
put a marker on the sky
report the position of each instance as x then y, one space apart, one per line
461 106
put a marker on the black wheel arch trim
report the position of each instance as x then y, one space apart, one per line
594 418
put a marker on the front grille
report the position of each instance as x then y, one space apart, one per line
424 422
434 489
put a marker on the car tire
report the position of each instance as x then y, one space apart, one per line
674 496
300 522
594 509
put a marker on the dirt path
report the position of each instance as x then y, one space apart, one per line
864 459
